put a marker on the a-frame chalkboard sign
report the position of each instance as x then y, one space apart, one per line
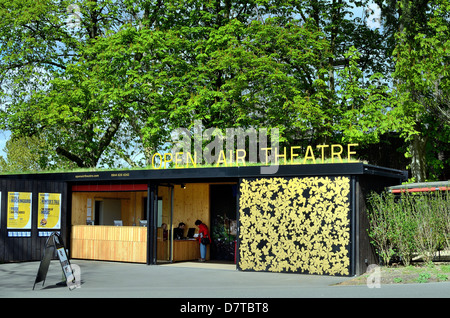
55 243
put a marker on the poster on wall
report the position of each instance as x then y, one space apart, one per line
49 211
19 210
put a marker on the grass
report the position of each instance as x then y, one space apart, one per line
417 273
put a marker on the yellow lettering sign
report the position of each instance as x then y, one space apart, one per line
296 155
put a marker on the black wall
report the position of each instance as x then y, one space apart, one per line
16 249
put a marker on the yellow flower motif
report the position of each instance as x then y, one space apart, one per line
295 225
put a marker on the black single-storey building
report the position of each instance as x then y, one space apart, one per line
301 218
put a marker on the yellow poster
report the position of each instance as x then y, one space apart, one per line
19 210
49 211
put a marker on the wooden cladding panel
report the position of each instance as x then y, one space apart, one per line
131 205
186 250
191 204
164 194
110 243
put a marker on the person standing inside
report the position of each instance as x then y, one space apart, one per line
178 233
204 238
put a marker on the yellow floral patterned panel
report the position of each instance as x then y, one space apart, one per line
295 225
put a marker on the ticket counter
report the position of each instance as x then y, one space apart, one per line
185 250
96 211
126 244
169 250
110 243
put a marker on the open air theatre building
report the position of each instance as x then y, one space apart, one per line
302 218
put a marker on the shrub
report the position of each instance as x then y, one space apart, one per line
409 223
404 228
442 206
380 226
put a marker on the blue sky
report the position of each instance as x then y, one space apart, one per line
4 136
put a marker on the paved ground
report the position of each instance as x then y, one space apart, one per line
192 281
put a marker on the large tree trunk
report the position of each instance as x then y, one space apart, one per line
418 160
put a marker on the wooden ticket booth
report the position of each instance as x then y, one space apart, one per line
112 222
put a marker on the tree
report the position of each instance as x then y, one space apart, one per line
422 81
366 109
354 102
220 65
123 74
28 154
21 155
50 87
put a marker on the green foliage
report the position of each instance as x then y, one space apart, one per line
364 116
411 224
380 230
421 78
22 155
51 88
423 277
114 86
404 228
398 280
29 154
132 71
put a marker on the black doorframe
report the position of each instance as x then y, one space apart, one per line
170 236
216 251
238 229
152 214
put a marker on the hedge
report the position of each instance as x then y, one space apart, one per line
410 224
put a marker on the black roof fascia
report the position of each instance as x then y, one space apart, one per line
216 173
386 172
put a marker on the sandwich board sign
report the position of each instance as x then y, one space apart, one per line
55 243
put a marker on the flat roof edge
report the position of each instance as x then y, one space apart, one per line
386 172
357 168
421 187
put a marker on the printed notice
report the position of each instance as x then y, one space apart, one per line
19 210
49 211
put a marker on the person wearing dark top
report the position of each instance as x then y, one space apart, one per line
178 233
165 231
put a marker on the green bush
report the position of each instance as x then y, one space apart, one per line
380 226
404 230
409 224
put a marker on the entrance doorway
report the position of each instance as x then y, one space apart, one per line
223 221
213 204
164 214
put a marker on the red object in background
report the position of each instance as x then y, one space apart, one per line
109 187
235 242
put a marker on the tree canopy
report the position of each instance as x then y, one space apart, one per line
108 80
